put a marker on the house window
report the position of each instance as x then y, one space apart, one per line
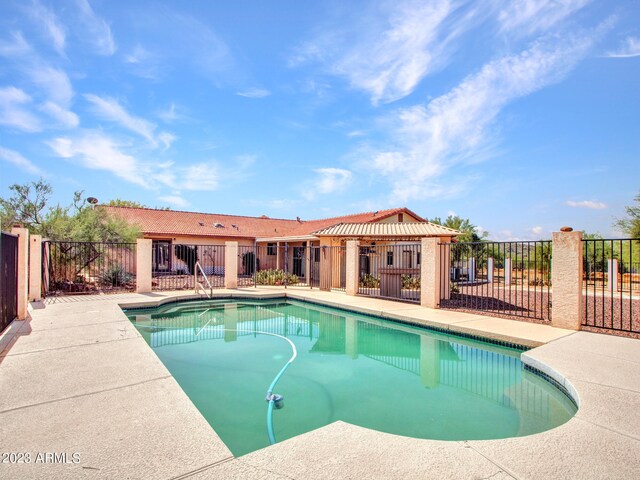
272 249
390 257
401 217
316 254
417 258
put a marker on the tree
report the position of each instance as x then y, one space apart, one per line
26 205
125 203
464 225
76 222
631 225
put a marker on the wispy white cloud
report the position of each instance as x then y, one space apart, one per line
171 114
65 118
14 112
111 110
176 200
52 26
19 161
97 151
523 17
454 128
53 82
629 48
96 30
327 180
537 230
254 93
389 51
586 204
202 176
17 46
144 63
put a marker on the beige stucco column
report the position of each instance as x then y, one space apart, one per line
430 273
231 265
143 265
566 280
23 270
35 268
352 267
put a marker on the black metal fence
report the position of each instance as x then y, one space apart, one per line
390 271
178 266
292 265
505 278
87 267
8 279
611 284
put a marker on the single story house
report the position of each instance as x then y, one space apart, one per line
293 245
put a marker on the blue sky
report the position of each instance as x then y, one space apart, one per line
521 115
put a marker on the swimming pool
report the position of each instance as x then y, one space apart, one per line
364 370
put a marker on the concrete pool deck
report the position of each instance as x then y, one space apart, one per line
78 378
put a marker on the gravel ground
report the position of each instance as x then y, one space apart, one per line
602 314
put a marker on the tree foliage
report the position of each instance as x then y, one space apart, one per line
79 221
464 225
631 225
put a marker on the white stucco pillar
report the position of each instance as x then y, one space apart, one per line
507 271
307 262
231 265
612 275
490 270
566 279
35 268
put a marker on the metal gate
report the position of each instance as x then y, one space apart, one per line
8 279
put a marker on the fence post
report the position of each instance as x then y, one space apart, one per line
352 267
35 268
231 265
490 270
507 271
23 270
143 265
430 273
612 274
566 280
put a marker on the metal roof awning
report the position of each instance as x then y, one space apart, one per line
299 238
387 230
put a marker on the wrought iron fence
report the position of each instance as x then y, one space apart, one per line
87 267
611 284
328 267
390 271
505 278
292 265
8 279
174 265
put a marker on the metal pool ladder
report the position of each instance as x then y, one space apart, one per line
199 286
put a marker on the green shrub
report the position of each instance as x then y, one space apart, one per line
369 281
275 276
410 282
115 276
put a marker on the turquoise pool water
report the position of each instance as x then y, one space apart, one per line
362 370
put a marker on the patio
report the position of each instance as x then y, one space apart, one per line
76 377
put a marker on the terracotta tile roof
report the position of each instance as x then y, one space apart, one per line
174 222
378 230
